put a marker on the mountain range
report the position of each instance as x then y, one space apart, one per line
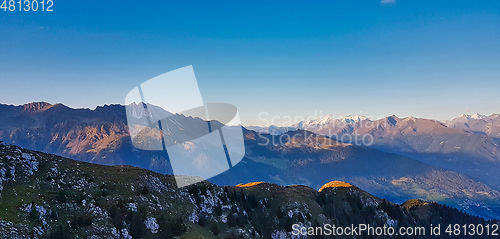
48 196
480 124
292 157
468 144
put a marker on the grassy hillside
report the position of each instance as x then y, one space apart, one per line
47 196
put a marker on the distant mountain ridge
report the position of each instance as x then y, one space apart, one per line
102 136
468 144
481 123
329 119
273 130
489 125
62 130
36 106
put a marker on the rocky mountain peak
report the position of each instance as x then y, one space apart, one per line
36 106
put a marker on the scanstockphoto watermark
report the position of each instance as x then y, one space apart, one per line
308 138
336 120
167 113
359 230
345 129
369 230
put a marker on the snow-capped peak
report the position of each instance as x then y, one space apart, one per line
325 120
473 117
353 118
478 116
329 119
347 119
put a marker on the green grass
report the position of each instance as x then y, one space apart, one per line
197 232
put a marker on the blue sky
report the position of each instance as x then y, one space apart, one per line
432 59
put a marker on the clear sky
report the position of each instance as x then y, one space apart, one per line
432 59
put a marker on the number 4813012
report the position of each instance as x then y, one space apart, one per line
27 5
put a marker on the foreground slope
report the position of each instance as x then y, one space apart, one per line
47 196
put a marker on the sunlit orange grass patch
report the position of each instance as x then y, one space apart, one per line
241 185
335 184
